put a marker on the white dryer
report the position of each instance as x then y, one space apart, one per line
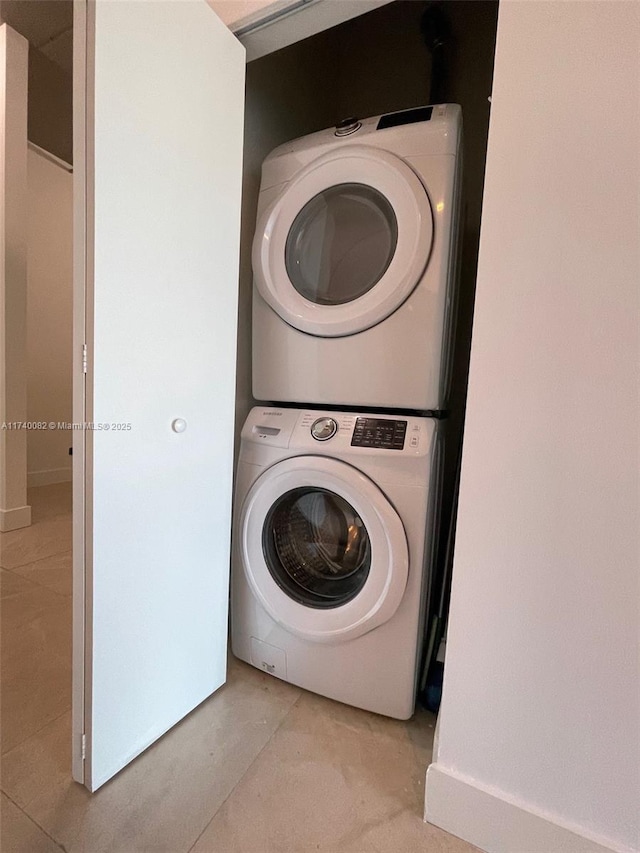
332 557
354 263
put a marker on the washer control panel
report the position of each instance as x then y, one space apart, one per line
340 434
379 432
324 428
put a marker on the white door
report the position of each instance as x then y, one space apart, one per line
159 91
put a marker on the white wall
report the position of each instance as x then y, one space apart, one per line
540 720
14 511
49 313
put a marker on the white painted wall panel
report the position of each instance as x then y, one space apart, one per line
542 682
14 511
49 314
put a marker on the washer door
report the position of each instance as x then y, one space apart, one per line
345 243
323 549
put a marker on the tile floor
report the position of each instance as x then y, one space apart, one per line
260 766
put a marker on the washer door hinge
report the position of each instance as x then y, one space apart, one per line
85 358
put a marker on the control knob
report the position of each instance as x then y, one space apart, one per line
323 429
347 126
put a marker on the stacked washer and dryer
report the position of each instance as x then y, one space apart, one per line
338 481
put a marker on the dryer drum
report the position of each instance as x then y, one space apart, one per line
316 547
341 244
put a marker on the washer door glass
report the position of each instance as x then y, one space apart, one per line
341 244
316 547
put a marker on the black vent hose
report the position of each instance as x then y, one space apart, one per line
437 35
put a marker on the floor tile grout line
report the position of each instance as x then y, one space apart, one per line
39 560
3 755
51 607
249 766
37 583
68 550
35 823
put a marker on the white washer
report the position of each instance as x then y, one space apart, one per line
332 557
354 263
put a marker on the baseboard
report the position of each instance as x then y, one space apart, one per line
491 822
14 519
48 477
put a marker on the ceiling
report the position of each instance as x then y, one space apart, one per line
46 24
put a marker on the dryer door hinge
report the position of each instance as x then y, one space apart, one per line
83 747
85 357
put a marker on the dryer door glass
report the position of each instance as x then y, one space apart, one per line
341 244
316 547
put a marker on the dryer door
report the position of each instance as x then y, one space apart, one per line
345 243
323 549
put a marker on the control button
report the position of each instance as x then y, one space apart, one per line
347 126
323 428
414 440
381 433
